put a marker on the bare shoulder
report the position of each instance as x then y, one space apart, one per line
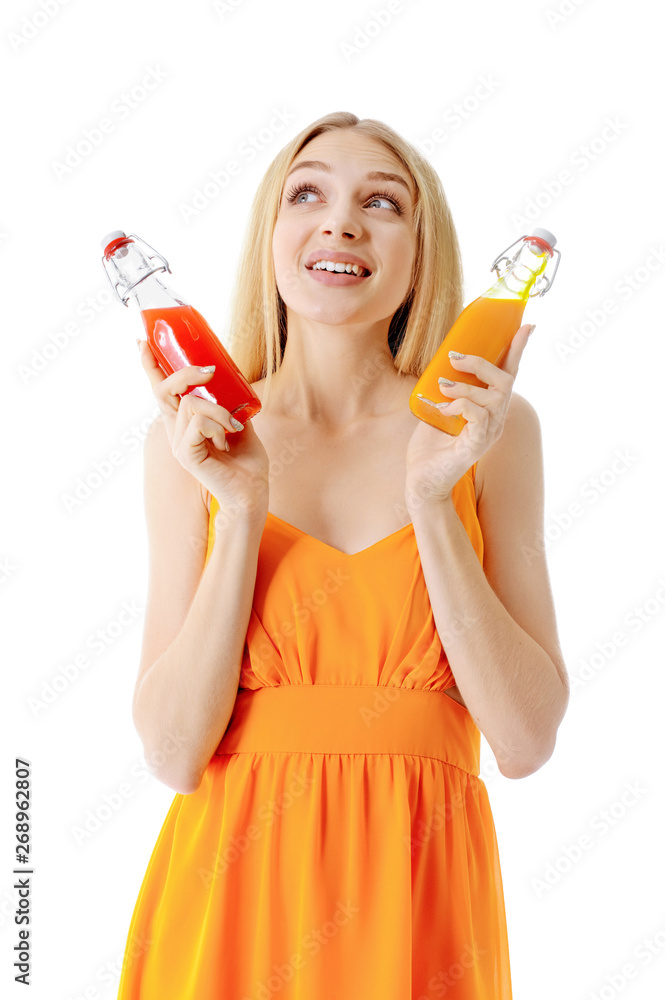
519 447
163 472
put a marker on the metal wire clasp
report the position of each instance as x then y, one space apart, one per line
155 255
542 279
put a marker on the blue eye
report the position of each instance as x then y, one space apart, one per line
301 188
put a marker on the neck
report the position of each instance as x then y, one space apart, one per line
335 376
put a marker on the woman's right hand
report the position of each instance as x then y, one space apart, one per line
197 429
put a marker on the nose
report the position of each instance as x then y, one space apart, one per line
343 219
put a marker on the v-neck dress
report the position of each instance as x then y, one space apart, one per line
341 844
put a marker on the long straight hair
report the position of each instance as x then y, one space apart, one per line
258 329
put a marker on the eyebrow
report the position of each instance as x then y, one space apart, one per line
374 175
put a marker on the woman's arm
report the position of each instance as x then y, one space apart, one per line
502 643
196 620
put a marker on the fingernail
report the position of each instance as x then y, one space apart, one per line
138 343
237 425
456 355
446 381
532 329
208 368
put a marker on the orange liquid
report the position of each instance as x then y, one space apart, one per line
486 327
179 336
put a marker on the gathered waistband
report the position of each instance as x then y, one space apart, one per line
353 719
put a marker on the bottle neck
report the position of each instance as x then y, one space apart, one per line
154 293
521 274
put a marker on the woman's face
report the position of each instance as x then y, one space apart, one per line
340 209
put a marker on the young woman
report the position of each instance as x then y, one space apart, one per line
342 598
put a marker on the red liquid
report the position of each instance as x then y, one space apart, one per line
179 336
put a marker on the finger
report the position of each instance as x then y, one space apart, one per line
169 388
493 376
178 381
191 404
511 362
149 362
193 407
477 394
472 412
192 448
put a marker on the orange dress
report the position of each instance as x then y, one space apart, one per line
341 845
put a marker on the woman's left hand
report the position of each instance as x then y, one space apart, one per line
436 460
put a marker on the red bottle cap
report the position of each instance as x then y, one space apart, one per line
116 234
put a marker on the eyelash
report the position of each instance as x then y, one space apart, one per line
299 188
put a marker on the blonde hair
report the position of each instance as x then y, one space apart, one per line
258 333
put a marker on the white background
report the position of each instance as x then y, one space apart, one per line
518 94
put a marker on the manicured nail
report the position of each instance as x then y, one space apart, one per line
237 425
456 355
446 381
208 368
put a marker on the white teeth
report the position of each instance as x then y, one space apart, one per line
329 265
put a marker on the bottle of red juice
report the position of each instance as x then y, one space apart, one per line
177 333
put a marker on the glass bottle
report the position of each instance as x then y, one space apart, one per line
177 333
486 326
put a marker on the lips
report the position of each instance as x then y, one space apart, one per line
325 277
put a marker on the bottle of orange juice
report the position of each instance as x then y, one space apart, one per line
486 326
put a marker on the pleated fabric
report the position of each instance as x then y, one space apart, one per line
341 845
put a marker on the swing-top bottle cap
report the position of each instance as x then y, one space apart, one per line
116 234
545 234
